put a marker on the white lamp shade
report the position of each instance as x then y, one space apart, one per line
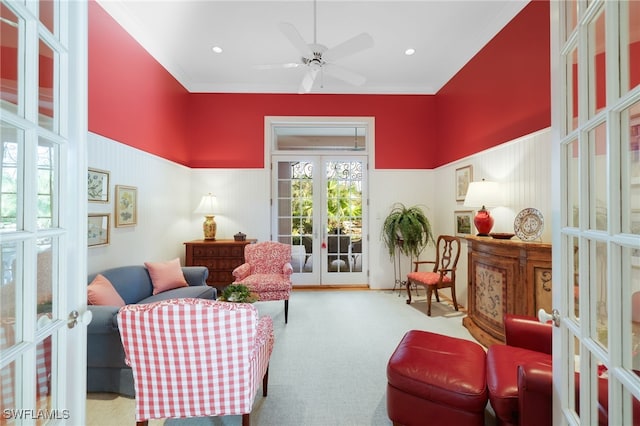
483 194
207 205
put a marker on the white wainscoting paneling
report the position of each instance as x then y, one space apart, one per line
164 205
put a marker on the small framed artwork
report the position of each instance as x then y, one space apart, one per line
98 229
126 206
97 186
464 176
463 222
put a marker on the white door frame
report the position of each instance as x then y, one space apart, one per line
271 154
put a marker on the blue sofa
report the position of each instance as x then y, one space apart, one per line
106 369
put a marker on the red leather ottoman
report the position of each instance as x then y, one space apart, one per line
502 379
436 380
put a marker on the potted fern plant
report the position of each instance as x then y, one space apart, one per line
237 293
407 230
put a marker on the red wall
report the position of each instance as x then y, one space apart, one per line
132 98
503 93
227 130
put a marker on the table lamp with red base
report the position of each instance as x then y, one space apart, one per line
483 193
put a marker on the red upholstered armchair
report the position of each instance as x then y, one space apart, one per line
267 271
195 357
514 373
520 377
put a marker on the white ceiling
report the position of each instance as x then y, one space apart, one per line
180 34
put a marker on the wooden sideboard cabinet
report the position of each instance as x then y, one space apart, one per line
221 257
505 276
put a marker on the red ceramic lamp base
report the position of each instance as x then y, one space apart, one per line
483 222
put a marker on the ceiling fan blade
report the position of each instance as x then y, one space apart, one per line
344 74
307 81
353 45
277 66
296 39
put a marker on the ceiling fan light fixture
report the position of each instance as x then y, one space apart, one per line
216 49
318 59
410 51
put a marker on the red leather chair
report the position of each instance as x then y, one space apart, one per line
527 352
535 393
520 378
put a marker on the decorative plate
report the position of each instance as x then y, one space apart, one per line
528 224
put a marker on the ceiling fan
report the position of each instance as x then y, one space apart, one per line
318 59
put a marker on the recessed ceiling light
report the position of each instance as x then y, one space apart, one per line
410 51
217 49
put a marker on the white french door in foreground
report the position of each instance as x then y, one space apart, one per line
43 211
321 211
596 248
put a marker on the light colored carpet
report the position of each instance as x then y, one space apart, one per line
328 365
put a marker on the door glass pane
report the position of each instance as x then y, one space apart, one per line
43 378
573 183
634 43
573 373
572 89
47 183
325 138
344 216
574 272
633 416
295 211
600 267
601 382
46 14
598 166
571 16
45 275
12 170
631 256
10 389
46 87
632 224
9 75
10 294
597 71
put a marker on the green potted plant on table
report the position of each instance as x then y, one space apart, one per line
406 230
238 293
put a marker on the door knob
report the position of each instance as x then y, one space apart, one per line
75 318
544 317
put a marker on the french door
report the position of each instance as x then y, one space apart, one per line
320 209
595 57
42 211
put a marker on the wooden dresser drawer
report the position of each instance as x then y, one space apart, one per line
202 251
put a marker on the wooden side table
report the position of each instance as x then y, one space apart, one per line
221 257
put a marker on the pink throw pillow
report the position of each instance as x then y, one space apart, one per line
102 292
166 275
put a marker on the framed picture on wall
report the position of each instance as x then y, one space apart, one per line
463 222
98 229
97 186
126 206
464 176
